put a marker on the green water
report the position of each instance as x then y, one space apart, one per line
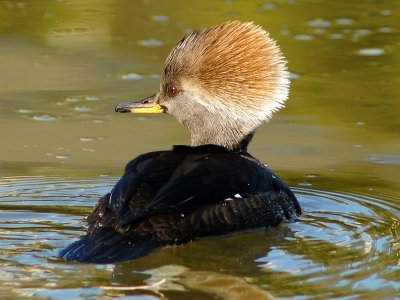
66 64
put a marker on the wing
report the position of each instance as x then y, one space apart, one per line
143 177
203 179
168 198
103 243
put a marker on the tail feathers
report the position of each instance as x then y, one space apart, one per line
109 246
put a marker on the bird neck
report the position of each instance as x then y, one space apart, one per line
214 121
211 133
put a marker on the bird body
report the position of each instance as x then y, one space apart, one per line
221 83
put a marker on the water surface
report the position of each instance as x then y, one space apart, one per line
66 64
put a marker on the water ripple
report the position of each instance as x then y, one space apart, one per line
342 242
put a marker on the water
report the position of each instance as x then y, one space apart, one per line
343 244
66 64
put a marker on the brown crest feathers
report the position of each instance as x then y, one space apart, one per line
235 62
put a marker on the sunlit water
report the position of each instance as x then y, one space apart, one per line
66 64
343 244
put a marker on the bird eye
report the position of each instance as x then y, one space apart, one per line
172 90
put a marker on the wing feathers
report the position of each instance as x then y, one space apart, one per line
172 197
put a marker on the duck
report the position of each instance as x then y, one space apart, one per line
221 83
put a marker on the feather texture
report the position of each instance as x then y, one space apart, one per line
172 197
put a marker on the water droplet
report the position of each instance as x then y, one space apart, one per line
284 32
360 123
305 184
390 159
336 36
363 31
151 43
101 138
319 23
24 111
359 33
293 76
82 109
44 117
269 6
87 139
131 76
62 157
385 30
311 176
319 31
303 37
88 149
357 146
160 18
98 121
344 21
386 12
72 100
92 98
371 52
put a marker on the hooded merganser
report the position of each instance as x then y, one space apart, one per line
221 83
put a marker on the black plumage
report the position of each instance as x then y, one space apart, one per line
221 83
172 197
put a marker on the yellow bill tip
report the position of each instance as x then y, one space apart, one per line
138 107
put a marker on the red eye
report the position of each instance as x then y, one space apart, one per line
172 90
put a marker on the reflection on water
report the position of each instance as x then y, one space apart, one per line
343 244
66 64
